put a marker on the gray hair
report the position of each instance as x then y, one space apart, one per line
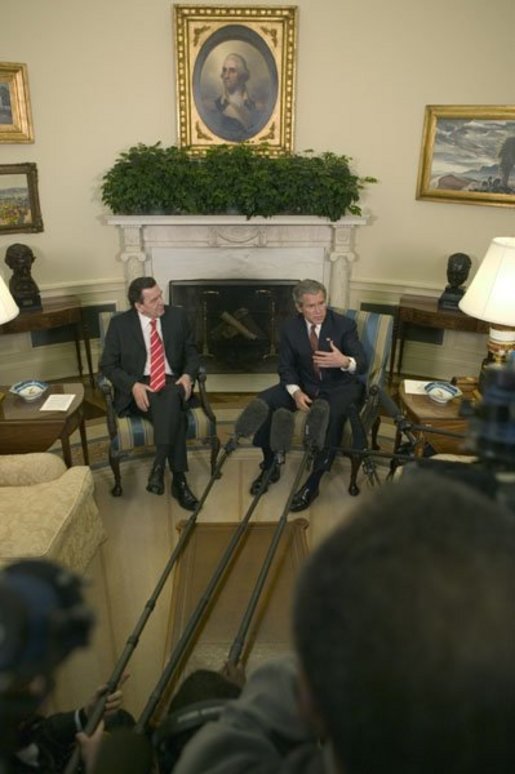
307 286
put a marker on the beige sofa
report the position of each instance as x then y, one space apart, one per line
47 511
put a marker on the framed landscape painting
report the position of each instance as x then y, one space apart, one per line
235 75
468 155
19 199
15 115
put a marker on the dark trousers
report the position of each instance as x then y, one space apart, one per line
168 414
339 397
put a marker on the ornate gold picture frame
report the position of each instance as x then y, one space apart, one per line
468 155
19 199
235 75
15 115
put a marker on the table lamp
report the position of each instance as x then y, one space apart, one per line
8 308
491 297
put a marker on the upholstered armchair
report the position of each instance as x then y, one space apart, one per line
135 432
375 333
47 511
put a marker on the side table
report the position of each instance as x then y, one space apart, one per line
424 311
24 428
421 410
56 313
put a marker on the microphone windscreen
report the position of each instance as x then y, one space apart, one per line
389 405
281 431
315 428
251 418
124 750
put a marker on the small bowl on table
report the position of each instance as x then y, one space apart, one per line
30 389
442 392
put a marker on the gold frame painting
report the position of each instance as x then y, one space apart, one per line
256 47
468 155
19 199
15 114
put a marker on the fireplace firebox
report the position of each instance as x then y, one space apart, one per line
236 323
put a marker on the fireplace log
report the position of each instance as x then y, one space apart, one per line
238 326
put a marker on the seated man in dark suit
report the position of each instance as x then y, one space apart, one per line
151 359
320 356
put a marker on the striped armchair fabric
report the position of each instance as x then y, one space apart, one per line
375 333
136 432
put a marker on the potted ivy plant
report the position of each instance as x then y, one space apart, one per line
239 178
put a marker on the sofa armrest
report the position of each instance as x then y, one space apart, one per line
27 469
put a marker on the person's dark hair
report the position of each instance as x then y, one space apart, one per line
307 286
136 288
405 628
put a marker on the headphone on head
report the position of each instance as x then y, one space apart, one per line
177 728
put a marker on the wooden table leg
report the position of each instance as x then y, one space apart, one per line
84 441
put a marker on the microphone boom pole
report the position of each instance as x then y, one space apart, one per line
195 618
319 437
248 423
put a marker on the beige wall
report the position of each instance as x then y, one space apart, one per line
102 78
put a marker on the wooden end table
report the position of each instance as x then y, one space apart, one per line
424 311
56 313
24 428
421 410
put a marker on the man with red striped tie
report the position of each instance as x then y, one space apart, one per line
151 359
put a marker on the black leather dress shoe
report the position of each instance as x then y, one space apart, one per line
303 498
184 495
275 476
155 480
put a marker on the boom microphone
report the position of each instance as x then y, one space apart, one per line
281 433
315 428
393 411
249 421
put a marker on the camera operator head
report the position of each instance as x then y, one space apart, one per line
405 629
43 618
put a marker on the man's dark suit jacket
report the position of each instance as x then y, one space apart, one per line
296 356
124 356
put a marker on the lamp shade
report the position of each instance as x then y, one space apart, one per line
491 294
8 308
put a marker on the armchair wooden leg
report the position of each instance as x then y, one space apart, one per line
374 433
114 461
355 462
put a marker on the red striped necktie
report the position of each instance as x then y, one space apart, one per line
157 359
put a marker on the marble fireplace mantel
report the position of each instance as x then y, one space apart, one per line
183 247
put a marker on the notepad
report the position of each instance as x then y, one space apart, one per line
414 387
57 403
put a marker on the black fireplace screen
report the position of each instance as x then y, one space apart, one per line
236 323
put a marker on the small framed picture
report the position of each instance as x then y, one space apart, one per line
468 155
15 115
19 199
235 75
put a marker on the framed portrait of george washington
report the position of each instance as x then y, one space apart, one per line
468 155
235 69
15 115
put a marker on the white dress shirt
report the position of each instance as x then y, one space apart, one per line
146 330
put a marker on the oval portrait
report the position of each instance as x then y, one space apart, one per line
235 83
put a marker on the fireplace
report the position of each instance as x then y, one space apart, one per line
230 247
236 323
